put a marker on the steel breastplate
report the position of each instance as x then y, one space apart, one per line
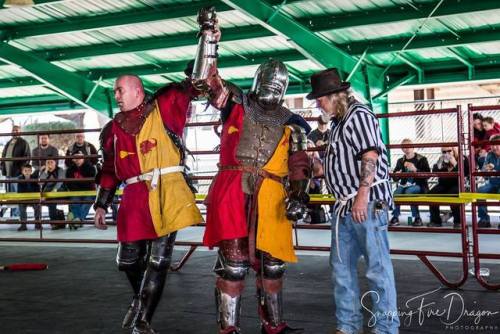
257 145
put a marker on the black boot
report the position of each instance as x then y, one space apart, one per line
128 320
142 327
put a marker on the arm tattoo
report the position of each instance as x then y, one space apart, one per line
368 167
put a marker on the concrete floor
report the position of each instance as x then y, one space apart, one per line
82 292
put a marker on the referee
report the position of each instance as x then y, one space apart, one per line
357 173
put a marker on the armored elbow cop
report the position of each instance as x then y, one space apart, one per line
104 198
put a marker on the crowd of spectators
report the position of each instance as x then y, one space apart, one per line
44 171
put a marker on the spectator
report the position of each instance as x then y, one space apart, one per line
52 172
411 162
316 212
491 128
492 186
16 147
28 187
78 169
43 150
80 145
448 162
479 135
320 135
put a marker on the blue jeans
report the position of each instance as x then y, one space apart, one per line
407 190
12 188
488 188
80 211
370 240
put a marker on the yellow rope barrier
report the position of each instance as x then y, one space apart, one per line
462 198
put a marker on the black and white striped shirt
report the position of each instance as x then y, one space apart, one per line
357 133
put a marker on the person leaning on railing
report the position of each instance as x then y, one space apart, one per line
411 162
492 186
79 168
16 147
52 172
448 162
27 187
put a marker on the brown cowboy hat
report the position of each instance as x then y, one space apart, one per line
326 82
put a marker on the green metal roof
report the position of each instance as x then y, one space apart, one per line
60 51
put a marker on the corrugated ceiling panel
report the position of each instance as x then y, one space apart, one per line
10 71
238 72
234 18
431 54
319 7
120 60
483 49
469 21
404 29
25 91
62 40
179 53
63 10
305 66
257 45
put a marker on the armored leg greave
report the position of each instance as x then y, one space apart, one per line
160 256
231 268
131 258
269 294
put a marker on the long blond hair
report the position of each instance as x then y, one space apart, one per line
343 102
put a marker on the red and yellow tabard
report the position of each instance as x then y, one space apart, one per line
147 213
226 214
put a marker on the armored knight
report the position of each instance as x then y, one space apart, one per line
261 186
142 148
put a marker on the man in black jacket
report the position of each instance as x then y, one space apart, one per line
448 162
16 147
82 146
80 168
411 162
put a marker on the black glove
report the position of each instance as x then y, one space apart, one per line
104 198
295 209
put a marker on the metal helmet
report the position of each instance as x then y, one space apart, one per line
270 83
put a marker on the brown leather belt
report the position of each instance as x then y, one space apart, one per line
253 170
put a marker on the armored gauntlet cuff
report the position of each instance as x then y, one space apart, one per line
104 198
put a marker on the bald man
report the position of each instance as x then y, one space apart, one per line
142 148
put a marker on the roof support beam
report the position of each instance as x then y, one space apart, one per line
19 82
397 13
425 41
420 71
461 58
147 44
318 23
358 63
179 65
254 31
68 84
111 20
401 82
308 43
164 67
